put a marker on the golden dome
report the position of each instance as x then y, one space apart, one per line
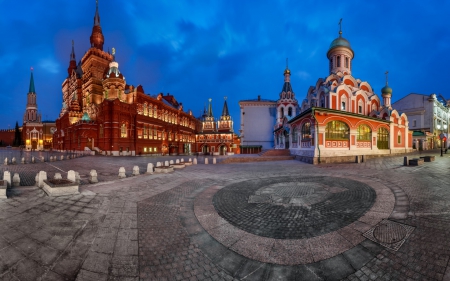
287 71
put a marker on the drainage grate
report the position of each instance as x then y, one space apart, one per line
389 234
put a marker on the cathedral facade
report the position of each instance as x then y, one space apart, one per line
101 112
341 119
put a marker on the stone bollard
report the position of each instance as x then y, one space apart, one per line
206 161
62 157
6 161
13 160
214 160
93 176
36 179
195 161
171 162
77 177
16 180
158 164
405 161
149 168
7 178
71 176
57 176
135 170
190 160
23 160
122 173
42 159
42 177
166 163
33 160
182 160
177 161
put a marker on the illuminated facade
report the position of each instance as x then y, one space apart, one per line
341 117
101 112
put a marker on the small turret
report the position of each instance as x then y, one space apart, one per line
386 93
97 40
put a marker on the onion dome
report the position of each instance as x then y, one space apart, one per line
113 71
386 90
85 117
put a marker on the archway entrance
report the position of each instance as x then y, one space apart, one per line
223 149
34 144
205 149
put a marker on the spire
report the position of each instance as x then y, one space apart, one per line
210 112
31 89
340 28
97 16
72 54
72 63
97 38
225 108
287 73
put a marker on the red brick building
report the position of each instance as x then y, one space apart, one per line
102 112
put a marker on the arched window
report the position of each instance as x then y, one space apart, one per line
294 135
337 130
360 107
338 63
346 62
290 111
343 103
322 101
364 133
155 112
306 131
145 109
123 130
399 137
383 138
150 110
145 131
281 112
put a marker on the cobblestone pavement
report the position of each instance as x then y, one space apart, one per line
182 225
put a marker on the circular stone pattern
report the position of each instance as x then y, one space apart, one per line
293 207
389 232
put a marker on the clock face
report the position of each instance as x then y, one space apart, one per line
52 130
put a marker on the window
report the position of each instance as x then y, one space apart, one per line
145 149
414 123
322 101
359 109
338 63
281 113
337 130
364 133
343 105
294 135
399 137
290 111
306 131
145 131
150 110
346 62
145 109
383 138
123 130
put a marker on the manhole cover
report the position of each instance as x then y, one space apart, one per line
389 234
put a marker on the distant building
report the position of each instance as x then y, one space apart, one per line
257 120
341 118
429 117
36 134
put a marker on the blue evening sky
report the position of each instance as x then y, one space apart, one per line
197 50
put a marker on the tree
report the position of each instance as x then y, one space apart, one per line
17 136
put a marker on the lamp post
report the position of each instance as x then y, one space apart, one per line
442 137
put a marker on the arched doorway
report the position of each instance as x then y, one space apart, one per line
205 149
286 139
223 149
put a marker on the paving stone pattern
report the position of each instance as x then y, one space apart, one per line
144 227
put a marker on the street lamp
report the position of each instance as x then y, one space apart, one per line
443 138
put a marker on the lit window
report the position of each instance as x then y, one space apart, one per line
364 133
343 105
123 131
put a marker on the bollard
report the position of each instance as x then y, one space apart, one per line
57 176
62 157
122 173
42 177
23 160
182 160
42 159
177 161
93 176
158 164
206 161
171 162
16 180
149 168
195 161
166 163
135 170
13 160
7 178
6 161
405 161
77 177
33 160
214 160
71 176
